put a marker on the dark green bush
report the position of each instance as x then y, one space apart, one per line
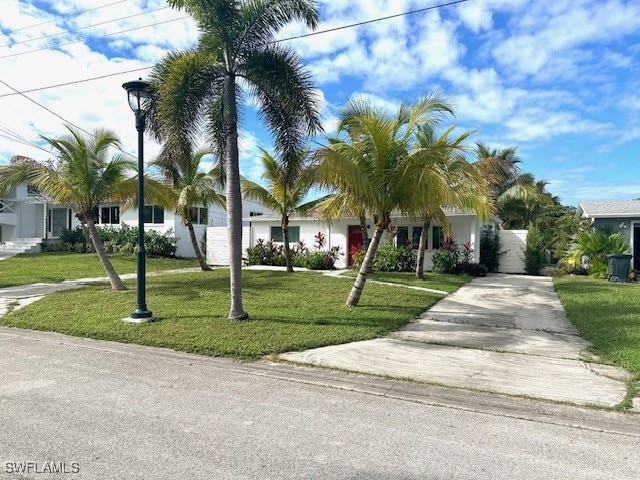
534 251
490 248
389 258
116 240
447 257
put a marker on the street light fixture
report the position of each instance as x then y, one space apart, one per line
137 95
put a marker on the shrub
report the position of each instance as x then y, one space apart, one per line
589 250
266 253
388 258
534 251
116 240
490 248
447 257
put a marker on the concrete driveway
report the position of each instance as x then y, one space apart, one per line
501 333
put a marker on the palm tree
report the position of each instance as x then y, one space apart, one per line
444 179
367 166
82 177
287 186
192 188
236 53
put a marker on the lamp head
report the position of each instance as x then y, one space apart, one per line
137 94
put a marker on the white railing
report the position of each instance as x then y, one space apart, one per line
6 207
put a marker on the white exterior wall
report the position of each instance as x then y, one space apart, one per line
513 243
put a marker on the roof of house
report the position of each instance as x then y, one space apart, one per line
610 208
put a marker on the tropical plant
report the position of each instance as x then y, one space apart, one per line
236 53
444 179
366 165
534 251
589 251
192 188
82 176
490 248
287 184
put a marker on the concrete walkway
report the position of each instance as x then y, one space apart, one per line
501 333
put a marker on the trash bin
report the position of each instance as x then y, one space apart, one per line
618 269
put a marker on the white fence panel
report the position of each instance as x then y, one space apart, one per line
218 245
513 243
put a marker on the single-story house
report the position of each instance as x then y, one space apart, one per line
346 234
622 215
27 219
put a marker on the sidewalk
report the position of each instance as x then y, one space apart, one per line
501 333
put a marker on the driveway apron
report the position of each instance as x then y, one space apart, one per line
502 333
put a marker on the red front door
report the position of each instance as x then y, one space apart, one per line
355 241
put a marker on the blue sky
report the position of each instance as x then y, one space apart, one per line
559 80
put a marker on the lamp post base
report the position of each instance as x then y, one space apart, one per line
139 316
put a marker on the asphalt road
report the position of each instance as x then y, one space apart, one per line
102 410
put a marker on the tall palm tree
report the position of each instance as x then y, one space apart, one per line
367 166
236 54
444 179
82 177
287 187
192 188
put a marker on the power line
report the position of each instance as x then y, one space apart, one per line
95 38
67 16
99 77
343 27
276 41
65 32
56 114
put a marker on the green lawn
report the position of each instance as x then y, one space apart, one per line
606 314
437 281
57 267
288 312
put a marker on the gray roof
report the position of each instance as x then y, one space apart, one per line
610 208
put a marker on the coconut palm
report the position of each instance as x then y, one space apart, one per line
236 54
192 188
286 189
82 177
444 179
367 164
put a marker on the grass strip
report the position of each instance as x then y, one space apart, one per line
288 312
606 314
56 267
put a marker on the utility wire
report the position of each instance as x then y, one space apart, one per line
276 41
67 16
56 114
65 32
95 38
99 77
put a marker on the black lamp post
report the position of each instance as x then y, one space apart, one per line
136 91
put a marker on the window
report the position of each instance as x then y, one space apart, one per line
415 238
110 215
294 234
200 216
402 236
438 237
153 214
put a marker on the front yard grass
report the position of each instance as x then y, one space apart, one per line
607 315
56 267
437 281
288 312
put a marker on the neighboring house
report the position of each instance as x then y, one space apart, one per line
27 219
622 215
347 235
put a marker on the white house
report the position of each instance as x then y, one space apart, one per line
27 219
346 234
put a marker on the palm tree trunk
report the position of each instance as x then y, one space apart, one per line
422 246
196 248
114 279
234 197
287 250
365 268
365 233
